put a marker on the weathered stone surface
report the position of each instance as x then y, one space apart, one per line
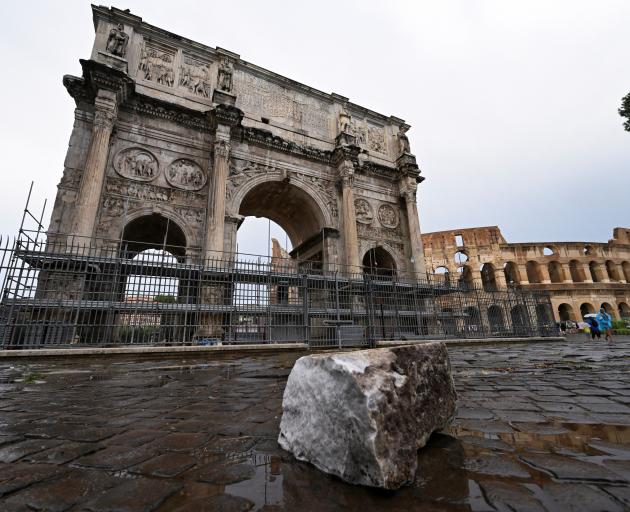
362 416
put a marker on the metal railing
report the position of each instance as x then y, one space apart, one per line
58 291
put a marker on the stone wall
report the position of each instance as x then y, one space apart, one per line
580 276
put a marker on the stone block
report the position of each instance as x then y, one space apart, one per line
362 416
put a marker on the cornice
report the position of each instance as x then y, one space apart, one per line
267 139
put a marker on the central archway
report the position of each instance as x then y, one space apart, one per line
287 205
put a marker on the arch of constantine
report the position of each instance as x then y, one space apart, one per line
581 277
168 127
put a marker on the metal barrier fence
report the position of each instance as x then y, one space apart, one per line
57 292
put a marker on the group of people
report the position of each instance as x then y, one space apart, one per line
602 323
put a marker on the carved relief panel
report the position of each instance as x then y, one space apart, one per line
157 64
387 216
376 139
185 174
136 164
194 75
363 211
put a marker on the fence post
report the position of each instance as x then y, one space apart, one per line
305 316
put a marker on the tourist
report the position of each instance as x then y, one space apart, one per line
594 327
604 321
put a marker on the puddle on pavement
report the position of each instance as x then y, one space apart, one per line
452 471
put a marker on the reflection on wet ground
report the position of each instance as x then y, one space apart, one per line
540 427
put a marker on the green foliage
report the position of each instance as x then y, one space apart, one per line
622 331
166 299
624 111
619 324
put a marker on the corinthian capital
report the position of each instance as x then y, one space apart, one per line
346 174
105 109
408 188
104 118
222 148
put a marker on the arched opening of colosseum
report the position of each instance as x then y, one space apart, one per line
544 314
612 271
556 274
608 308
519 316
548 251
472 320
294 211
379 262
465 276
533 272
155 243
577 271
586 309
596 271
625 266
461 257
624 310
495 317
587 250
441 275
511 273
488 278
449 324
565 312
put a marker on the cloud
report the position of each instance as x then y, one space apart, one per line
513 105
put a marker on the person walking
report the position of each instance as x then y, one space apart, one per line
604 321
593 327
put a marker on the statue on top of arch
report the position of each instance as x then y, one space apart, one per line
117 41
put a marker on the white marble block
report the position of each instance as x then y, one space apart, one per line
363 415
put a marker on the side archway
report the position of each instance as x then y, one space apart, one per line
153 231
379 262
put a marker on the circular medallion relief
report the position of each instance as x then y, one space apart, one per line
136 164
387 216
185 174
363 211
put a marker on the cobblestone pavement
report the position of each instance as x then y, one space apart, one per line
540 427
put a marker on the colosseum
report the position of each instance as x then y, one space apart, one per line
580 277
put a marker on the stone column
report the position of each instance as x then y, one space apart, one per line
544 273
215 222
566 270
351 239
522 273
408 188
499 277
586 271
89 193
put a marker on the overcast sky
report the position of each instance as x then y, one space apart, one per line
513 104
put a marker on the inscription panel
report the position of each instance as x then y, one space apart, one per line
263 98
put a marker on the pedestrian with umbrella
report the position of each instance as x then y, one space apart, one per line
591 320
604 320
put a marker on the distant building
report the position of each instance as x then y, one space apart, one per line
581 277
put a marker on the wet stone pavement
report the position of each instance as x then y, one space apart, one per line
540 427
